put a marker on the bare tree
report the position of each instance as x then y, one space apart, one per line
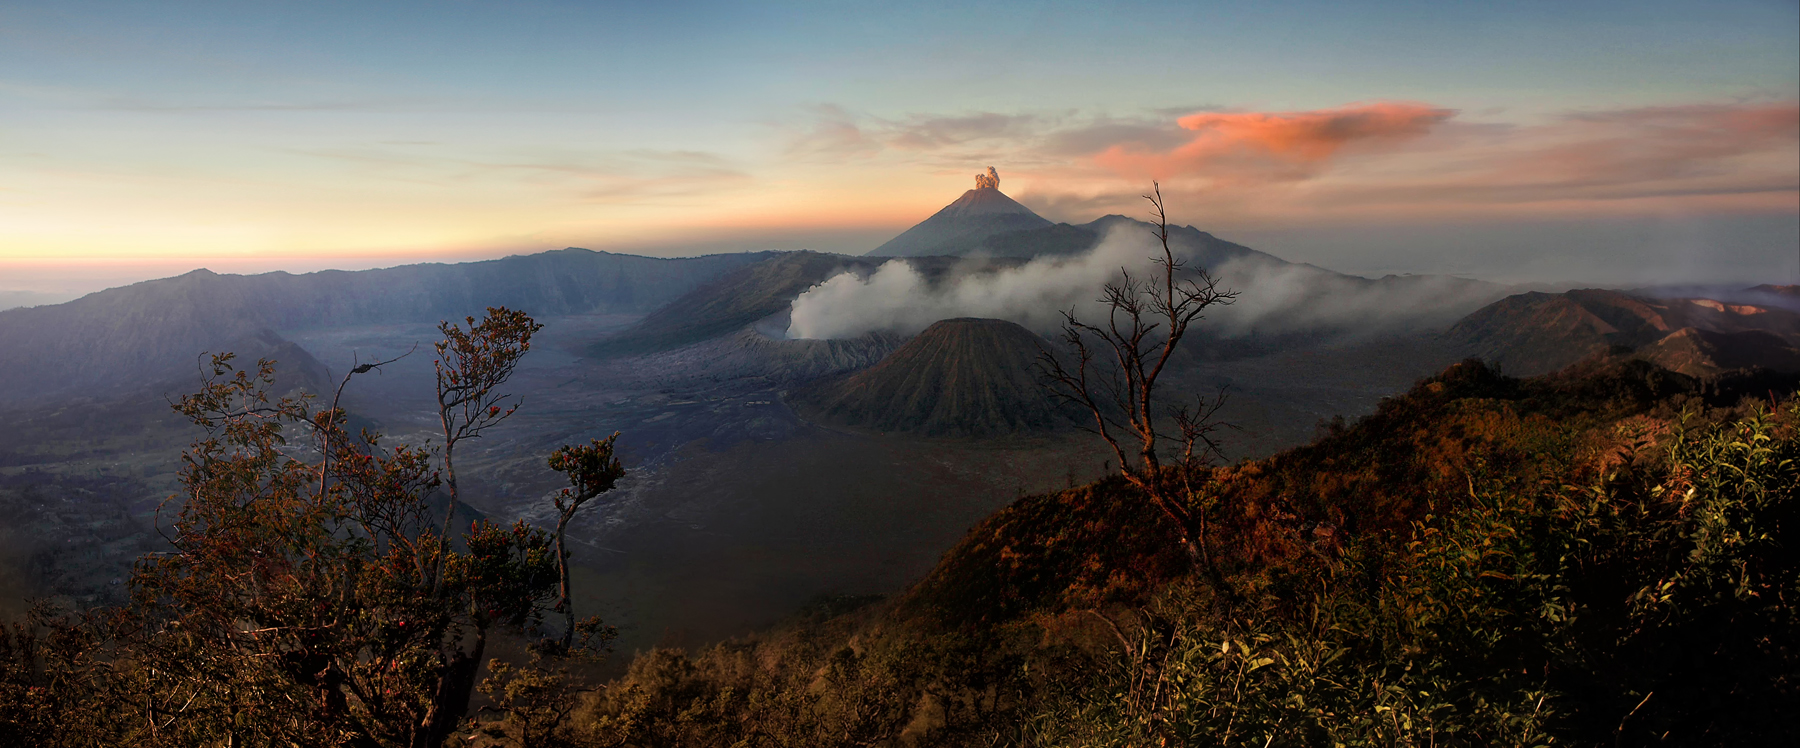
1111 368
592 470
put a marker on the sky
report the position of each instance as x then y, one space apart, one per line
1595 142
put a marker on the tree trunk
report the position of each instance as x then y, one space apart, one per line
437 569
452 701
564 603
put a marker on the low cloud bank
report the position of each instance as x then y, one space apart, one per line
1283 298
1274 297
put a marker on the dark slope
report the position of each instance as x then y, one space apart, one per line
960 377
124 337
727 305
1534 333
961 226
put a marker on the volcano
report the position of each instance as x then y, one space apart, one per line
960 377
963 225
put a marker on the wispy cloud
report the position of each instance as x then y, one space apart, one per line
612 177
831 132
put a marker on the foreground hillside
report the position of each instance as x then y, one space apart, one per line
1600 557
1603 557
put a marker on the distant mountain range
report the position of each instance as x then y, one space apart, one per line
146 334
125 338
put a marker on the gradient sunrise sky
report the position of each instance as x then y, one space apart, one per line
1600 142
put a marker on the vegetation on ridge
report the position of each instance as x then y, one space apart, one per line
1599 558
1604 556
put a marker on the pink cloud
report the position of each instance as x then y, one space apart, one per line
1272 146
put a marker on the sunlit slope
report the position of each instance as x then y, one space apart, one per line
1533 333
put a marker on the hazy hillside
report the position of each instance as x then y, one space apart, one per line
728 304
142 333
960 377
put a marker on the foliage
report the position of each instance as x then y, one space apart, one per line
310 598
307 599
471 367
592 470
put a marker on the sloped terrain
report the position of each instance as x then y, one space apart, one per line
1534 333
960 377
1705 353
725 306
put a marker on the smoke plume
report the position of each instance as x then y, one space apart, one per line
897 298
1274 298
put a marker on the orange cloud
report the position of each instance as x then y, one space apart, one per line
1743 157
1272 146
